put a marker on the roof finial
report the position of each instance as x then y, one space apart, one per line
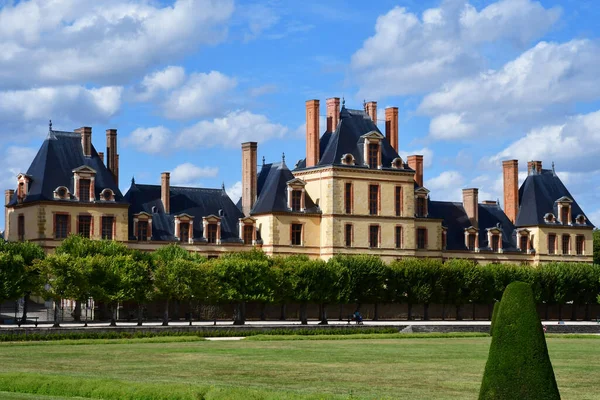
223 186
343 102
263 161
553 170
365 105
133 180
50 126
283 158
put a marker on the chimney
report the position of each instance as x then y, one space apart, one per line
312 133
165 191
416 162
510 171
470 203
86 140
333 113
112 157
249 166
101 155
371 109
8 195
534 168
391 126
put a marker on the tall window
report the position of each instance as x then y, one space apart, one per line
495 243
296 235
348 198
421 206
398 237
564 215
248 234
61 226
184 232
296 200
348 235
21 228
211 233
374 236
565 244
421 238
373 155
373 199
579 244
551 243
85 226
107 227
471 242
444 239
398 201
142 230
524 241
84 190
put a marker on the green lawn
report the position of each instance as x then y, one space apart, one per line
367 368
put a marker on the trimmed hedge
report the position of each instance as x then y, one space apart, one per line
518 365
494 315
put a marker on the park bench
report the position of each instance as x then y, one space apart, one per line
19 323
350 317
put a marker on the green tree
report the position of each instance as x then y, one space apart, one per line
138 279
597 246
283 276
420 280
13 276
173 280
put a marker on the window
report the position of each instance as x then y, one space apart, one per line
398 201
21 227
296 200
296 235
523 243
61 226
564 215
373 199
579 244
184 232
211 234
348 235
421 206
373 155
84 190
398 237
421 238
566 239
107 227
374 236
551 243
495 245
348 198
85 226
142 230
248 234
471 242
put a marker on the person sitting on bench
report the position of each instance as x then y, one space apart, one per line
357 317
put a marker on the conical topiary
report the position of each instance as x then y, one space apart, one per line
518 366
494 315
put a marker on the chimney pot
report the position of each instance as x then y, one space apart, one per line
416 162
371 109
312 133
510 172
165 191
391 126
471 204
86 140
333 113
249 176
112 156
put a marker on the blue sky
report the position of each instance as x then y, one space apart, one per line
185 82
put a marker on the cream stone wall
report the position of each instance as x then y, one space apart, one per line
541 243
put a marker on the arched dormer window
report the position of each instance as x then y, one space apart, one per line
296 195
62 193
472 239
564 210
84 179
580 220
372 149
348 159
107 195
397 163
549 218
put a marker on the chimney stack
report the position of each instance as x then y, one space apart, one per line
112 157
371 109
391 126
249 182
510 172
165 191
101 156
471 203
86 140
333 113
312 133
416 162
534 167
8 195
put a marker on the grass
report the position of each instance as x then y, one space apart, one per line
359 367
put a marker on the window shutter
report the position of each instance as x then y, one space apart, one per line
425 236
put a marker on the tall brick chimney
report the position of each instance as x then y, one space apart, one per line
333 113
249 182
471 203
165 191
534 167
112 157
101 156
371 109
416 162
391 126
510 172
312 133
8 195
86 140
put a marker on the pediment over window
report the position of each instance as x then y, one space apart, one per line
471 229
247 220
494 230
296 183
142 215
84 169
212 219
184 217
564 199
422 191
24 176
373 135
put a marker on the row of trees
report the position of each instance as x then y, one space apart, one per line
111 273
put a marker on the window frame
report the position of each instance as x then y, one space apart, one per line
495 243
184 231
212 231
373 154
296 200
421 207
348 197
348 235
421 243
580 241
398 236
84 220
471 237
566 250
21 227
248 229
67 229
146 230
297 228
398 201
374 206
84 195
552 238
374 232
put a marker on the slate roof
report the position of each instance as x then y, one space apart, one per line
272 191
197 202
53 166
537 197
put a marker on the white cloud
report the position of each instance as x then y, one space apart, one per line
408 54
188 174
15 159
149 140
300 131
447 186
235 128
235 191
160 81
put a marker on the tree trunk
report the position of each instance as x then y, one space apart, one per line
376 312
113 314
240 314
458 316
409 314
560 306
140 314
574 312
323 314
426 311
25 301
56 310
283 310
166 314
587 312
303 319
263 314
77 311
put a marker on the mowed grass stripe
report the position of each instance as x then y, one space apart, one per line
415 368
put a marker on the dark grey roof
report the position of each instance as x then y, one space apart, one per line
537 197
272 190
197 202
53 166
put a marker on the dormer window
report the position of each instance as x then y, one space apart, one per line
184 228
84 178
524 241
580 219
23 187
61 193
247 227
211 227
397 163
348 159
142 226
296 195
564 210
372 149
472 238
84 190
373 155
550 218
107 195
421 196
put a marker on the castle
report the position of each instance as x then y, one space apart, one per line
352 194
